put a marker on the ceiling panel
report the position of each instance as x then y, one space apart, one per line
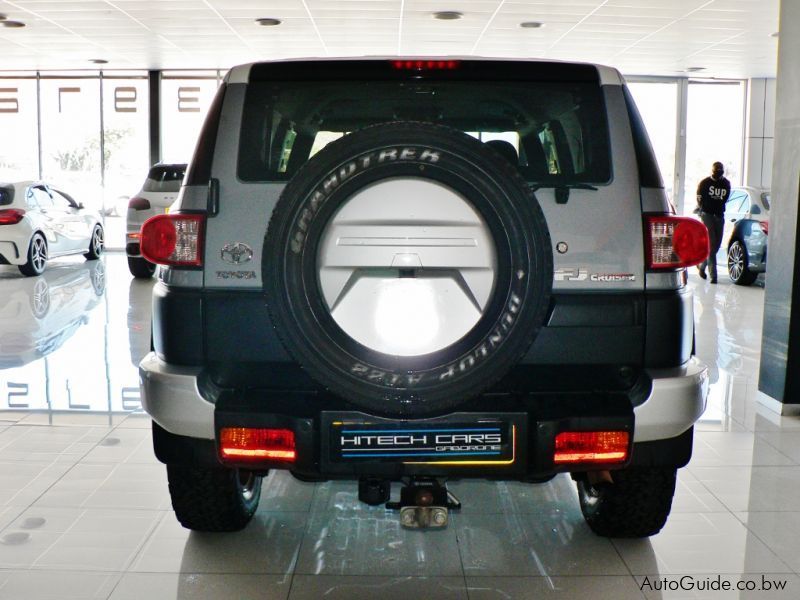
729 38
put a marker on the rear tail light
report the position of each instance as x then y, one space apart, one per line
175 239
591 447
138 204
765 227
675 242
243 444
11 216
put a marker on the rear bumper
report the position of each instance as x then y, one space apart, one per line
11 255
172 396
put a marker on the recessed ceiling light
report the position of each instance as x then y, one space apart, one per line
98 61
268 22
447 15
12 24
776 34
695 69
531 24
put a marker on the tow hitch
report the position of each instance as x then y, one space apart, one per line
424 504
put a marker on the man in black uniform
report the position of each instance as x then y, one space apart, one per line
712 193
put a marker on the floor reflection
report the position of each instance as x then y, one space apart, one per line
71 338
84 504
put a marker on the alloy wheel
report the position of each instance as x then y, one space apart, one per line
736 261
39 253
98 242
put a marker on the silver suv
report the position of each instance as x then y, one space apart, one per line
394 270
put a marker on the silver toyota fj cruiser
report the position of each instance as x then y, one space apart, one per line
419 270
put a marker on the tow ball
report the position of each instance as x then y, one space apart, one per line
425 504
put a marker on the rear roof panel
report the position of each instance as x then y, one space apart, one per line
393 69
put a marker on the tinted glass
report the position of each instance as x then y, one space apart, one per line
6 196
558 129
42 198
61 200
165 178
735 201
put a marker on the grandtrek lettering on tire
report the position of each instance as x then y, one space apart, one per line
343 173
440 165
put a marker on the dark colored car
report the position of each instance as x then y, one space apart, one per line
748 212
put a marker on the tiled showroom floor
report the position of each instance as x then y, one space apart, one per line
84 509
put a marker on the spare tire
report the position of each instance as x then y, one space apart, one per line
407 267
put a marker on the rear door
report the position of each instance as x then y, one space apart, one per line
569 134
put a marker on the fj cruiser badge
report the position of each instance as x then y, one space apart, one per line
236 253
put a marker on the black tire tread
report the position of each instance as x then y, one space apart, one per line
210 499
140 268
635 505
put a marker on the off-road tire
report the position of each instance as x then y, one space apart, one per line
141 268
635 505
213 499
387 384
738 269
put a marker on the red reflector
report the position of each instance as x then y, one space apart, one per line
591 446
174 239
675 242
426 65
238 444
11 216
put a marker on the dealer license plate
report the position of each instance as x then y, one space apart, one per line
483 441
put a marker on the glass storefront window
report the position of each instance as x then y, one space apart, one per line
126 147
19 150
70 123
185 98
715 132
658 104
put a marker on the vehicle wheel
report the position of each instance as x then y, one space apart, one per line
37 256
213 499
140 267
98 276
396 325
738 269
96 244
40 299
635 505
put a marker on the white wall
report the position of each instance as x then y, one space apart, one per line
760 133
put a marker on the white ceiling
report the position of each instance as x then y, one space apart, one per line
730 38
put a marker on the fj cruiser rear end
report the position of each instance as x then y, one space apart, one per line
414 270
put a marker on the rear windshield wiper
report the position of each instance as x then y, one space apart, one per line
562 189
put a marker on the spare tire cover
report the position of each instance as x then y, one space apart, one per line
392 232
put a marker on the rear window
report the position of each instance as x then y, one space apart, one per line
553 131
6 195
167 178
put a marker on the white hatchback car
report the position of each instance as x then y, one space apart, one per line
159 191
38 222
